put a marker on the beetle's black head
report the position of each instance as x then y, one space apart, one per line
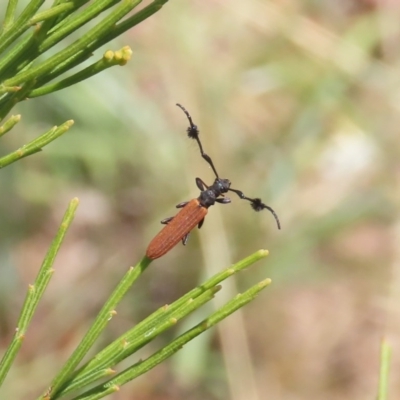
221 185
207 198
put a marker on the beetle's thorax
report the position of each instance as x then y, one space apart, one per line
207 197
220 186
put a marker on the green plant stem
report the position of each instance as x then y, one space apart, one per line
96 32
9 17
70 63
109 60
9 124
92 11
53 12
136 340
386 352
132 340
135 19
36 291
12 98
101 321
9 89
128 23
20 25
76 384
66 16
10 62
143 366
36 145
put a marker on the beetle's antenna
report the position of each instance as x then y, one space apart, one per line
193 133
257 205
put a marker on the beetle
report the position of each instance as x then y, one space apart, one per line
193 212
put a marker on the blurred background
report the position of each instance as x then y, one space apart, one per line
298 102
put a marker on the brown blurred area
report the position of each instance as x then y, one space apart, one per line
298 102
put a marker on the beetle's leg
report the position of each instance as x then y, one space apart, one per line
185 239
200 184
166 220
225 200
181 205
200 224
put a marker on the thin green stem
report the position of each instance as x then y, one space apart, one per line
9 17
36 291
386 352
20 25
66 16
81 382
52 12
128 23
12 98
9 62
101 321
9 124
9 89
135 19
35 145
110 59
92 11
143 366
70 63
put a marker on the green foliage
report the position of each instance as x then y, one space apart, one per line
27 39
35 292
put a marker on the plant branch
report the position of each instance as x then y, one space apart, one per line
9 17
35 292
101 321
96 32
134 340
20 25
9 124
150 327
110 59
35 145
67 27
55 11
13 97
141 367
